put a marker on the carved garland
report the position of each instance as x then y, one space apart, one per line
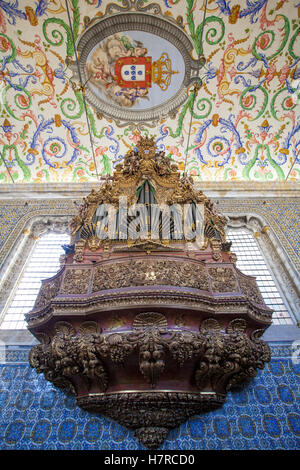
223 360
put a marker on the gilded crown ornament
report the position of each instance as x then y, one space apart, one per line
162 72
149 321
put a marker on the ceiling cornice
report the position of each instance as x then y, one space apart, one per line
223 189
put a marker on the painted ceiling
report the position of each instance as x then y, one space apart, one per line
242 125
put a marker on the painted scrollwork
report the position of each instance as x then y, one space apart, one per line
115 102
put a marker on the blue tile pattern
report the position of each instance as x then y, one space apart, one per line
287 216
265 415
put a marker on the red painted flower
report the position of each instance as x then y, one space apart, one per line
248 101
264 41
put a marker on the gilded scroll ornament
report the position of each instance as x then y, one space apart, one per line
223 279
171 188
143 273
76 281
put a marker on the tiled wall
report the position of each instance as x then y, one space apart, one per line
13 213
264 415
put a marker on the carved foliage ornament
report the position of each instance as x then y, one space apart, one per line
79 360
47 292
148 272
139 273
223 279
137 66
141 164
76 281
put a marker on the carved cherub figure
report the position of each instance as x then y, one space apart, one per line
131 163
163 164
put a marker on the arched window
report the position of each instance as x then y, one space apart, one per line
41 264
251 261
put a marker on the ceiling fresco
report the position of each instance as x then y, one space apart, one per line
72 105
135 67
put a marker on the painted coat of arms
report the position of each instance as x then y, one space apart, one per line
135 67
121 67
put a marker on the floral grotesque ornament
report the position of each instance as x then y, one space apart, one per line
145 301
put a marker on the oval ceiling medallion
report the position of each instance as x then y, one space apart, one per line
135 67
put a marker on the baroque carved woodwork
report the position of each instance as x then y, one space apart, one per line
143 272
148 331
47 292
223 279
220 358
76 281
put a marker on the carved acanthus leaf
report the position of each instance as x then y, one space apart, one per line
139 273
76 281
223 279
47 292
229 358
